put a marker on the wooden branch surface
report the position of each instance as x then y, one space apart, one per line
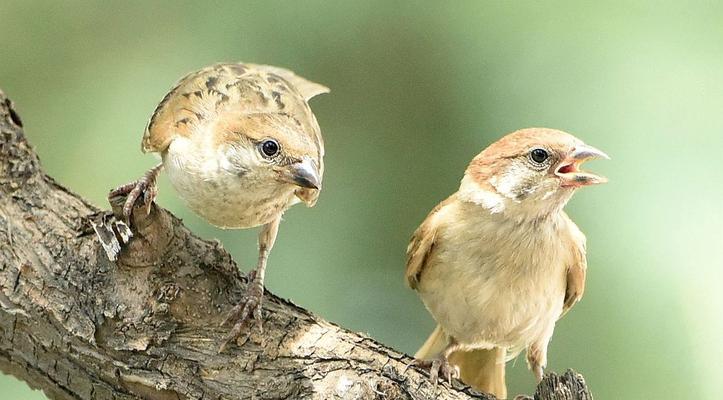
79 326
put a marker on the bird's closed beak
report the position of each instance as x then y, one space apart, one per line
304 174
568 170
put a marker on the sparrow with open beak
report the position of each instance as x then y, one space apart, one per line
240 146
499 262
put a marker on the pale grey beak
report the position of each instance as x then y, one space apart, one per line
585 152
305 174
570 174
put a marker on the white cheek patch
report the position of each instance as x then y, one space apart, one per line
489 200
232 158
192 158
507 183
470 191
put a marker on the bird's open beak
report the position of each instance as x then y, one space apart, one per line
568 170
304 174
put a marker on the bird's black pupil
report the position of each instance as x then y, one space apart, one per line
270 148
538 155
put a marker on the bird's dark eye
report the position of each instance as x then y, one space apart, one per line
539 155
270 147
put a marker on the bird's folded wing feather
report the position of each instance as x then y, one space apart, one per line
422 244
307 88
577 270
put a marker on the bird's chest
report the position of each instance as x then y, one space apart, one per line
225 196
501 284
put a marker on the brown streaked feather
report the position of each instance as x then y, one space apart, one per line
577 271
422 245
218 93
307 88
158 138
418 251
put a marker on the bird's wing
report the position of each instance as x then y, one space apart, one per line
577 270
222 93
422 244
307 88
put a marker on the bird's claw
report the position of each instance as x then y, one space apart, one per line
436 367
246 313
144 188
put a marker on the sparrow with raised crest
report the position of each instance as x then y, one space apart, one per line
499 262
240 145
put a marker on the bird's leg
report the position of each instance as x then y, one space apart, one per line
144 187
537 358
440 364
249 309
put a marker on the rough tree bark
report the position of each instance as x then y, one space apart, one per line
79 326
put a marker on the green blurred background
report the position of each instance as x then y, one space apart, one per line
417 90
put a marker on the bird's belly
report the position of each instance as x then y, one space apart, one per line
488 306
227 200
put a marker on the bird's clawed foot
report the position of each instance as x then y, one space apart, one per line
436 367
246 313
142 188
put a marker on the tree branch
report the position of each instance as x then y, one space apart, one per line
146 326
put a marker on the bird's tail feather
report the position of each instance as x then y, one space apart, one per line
433 347
484 370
